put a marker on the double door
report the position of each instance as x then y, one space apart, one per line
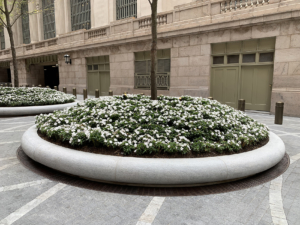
252 83
98 80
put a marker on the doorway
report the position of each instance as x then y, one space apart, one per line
51 75
243 70
256 86
98 75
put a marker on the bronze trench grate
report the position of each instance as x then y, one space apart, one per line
249 182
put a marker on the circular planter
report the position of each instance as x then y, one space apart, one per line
153 171
33 110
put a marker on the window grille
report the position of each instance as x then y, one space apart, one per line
2 38
25 23
49 19
126 8
142 74
80 14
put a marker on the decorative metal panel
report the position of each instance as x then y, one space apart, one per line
2 38
144 80
49 19
126 8
143 69
25 23
80 14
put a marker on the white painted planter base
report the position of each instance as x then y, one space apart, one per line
153 171
33 110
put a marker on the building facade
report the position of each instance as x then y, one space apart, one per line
225 49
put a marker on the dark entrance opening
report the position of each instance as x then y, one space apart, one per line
8 76
51 75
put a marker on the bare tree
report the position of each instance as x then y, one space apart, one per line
153 5
8 20
10 12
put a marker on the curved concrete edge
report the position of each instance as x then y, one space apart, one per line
150 171
33 110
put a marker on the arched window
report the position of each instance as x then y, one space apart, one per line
2 38
126 8
49 19
80 14
25 23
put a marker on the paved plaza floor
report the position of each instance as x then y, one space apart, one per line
30 199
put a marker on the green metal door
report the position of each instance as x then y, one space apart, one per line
256 85
104 83
98 72
243 70
224 86
98 80
93 82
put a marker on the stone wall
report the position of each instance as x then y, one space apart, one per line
36 75
190 66
73 75
286 80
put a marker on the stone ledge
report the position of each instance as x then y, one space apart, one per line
153 171
33 110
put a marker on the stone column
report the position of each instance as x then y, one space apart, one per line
67 8
33 22
100 11
112 11
7 41
18 24
144 9
59 7
12 74
15 34
40 25
94 12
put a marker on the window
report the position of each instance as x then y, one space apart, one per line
266 57
143 69
218 60
233 59
126 8
2 38
80 14
25 23
48 19
99 63
248 58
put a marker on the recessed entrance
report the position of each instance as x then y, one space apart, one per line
5 74
43 71
51 76
243 70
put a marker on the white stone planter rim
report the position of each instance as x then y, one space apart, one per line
153 171
33 110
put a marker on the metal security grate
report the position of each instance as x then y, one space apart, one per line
49 19
80 14
25 23
126 8
2 38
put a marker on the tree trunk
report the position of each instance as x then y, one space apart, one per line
12 44
14 56
154 50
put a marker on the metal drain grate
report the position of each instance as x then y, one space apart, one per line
249 182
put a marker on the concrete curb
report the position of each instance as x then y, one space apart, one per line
33 110
153 171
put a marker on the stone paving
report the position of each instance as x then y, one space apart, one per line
29 199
